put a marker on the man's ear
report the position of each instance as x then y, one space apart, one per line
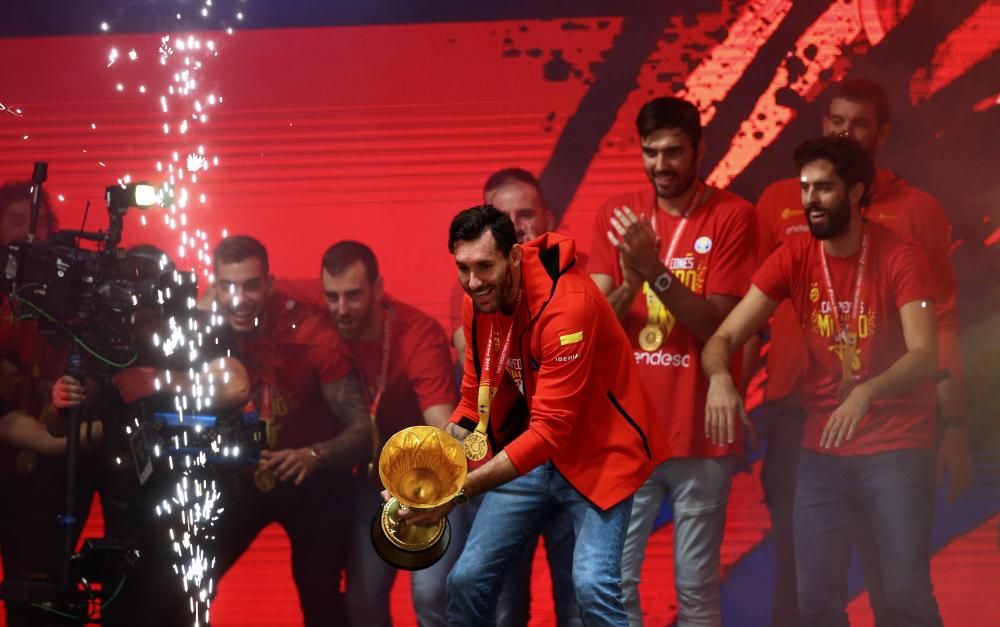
855 194
378 288
515 255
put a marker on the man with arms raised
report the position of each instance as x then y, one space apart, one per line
673 259
303 382
863 296
403 357
550 384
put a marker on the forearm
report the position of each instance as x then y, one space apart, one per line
916 366
698 315
716 356
493 473
950 398
351 447
620 299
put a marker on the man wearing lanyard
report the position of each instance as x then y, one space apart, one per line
304 383
552 403
859 109
863 295
404 360
673 260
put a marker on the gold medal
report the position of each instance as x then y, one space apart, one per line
27 461
264 479
475 446
651 337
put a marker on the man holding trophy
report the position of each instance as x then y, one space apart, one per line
551 402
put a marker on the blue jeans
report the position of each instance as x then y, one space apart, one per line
894 491
370 579
511 516
514 608
784 424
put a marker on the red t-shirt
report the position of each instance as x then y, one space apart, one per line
897 274
896 204
419 373
293 356
714 255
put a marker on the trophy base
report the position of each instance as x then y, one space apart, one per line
400 554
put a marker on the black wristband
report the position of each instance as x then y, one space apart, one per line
467 423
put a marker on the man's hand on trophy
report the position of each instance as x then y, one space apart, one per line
290 463
67 392
410 516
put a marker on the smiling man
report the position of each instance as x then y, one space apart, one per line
303 382
862 295
551 401
404 360
673 259
858 109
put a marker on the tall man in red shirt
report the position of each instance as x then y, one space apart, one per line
858 109
404 360
673 260
551 392
863 296
303 381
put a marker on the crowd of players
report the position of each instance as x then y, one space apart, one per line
621 389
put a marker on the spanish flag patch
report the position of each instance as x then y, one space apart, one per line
571 338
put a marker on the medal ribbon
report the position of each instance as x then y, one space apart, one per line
380 383
843 334
651 299
487 388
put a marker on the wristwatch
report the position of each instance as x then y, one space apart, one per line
663 282
461 498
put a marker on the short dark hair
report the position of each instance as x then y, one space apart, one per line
508 175
470 224
864 91
849 160
670 112
343 255
237 248
14 191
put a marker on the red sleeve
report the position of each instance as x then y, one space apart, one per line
734 259
774 277
562 380
933 233
326 352
429 364
909 273
470 382
603 256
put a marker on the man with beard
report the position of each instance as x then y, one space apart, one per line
863 295
303 382
517 193
858 109
673 260
404 360
541 336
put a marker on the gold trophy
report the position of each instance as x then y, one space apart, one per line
422 467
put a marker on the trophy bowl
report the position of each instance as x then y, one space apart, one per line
422 467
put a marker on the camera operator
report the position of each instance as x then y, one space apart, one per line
32 478
150 593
